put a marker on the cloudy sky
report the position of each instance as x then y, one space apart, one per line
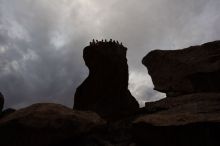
41 41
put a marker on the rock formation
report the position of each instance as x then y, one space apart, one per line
189 120
1 102
191 70
105 90
46 124
193 117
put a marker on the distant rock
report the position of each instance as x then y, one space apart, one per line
1 102
191 70
105 90
189 120
46 124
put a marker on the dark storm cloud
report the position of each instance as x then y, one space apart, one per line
41 41
33 69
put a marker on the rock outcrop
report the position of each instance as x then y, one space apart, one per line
193 117
1 102
105 90
191 70
46 124
192 120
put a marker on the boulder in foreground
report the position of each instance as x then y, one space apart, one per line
46 124
189 120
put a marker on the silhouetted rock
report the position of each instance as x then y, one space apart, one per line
189 120
191 70
7 112
46 124
192 75
1 102
105 90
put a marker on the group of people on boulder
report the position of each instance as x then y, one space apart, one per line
96 42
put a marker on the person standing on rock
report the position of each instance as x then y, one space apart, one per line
1 101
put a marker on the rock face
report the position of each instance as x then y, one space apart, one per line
192 120
1 102
46 124
192 75
191 70
105 90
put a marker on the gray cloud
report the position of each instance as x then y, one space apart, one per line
41 41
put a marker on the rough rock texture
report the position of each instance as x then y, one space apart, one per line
46 124
190 120
191 70
1 102
105 91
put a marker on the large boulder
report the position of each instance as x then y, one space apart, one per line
105 90
1 102
190 120
47 124
191 70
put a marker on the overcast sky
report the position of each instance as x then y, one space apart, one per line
41 41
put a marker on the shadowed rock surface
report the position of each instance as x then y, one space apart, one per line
46 124
105 90
193 117
189 120
1 102
191 70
